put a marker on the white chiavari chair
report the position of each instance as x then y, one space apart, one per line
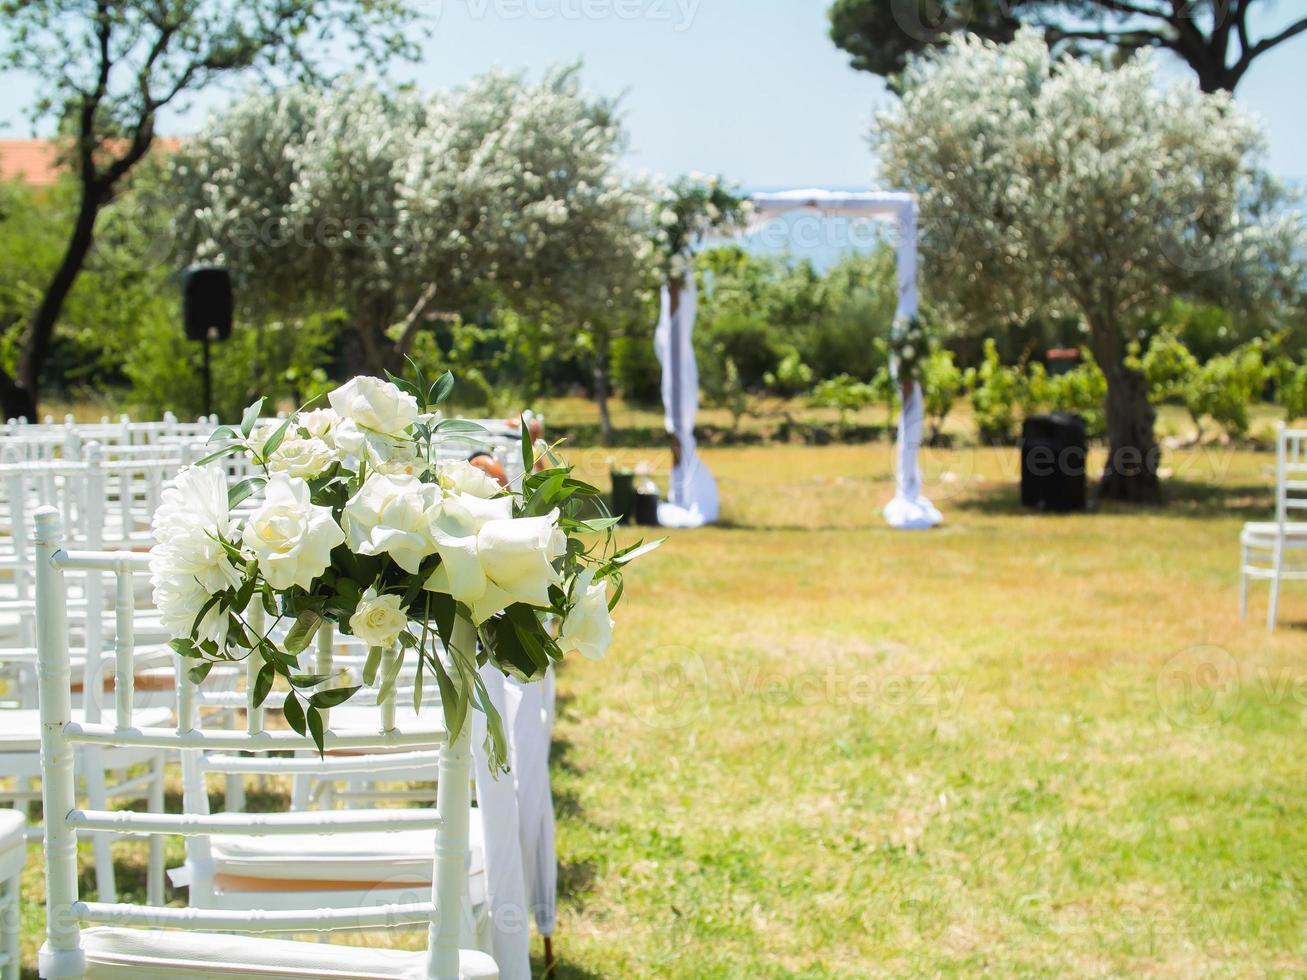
1276 551
137 942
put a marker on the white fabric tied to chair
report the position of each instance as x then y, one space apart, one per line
521 863
13 854
1274 550
910 510
70 953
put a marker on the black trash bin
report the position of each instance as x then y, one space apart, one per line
1053 451
624 495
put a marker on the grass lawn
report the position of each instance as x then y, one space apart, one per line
1018 745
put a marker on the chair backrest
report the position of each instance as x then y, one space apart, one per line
62 954
1290 472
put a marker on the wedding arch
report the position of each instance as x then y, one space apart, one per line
692 495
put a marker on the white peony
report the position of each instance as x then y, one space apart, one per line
393 515
188 563
378 620
303 458
460 476
504 561
291 537
374 406
588 628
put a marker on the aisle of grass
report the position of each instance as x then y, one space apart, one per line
1019 745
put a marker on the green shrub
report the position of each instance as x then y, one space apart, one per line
942 383
636 371
844 393
791 376
746 340
995 392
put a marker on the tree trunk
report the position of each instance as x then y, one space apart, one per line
19 395
600 373
1133 453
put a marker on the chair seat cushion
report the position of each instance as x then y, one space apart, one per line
303 861
139 954
1267 531
20 728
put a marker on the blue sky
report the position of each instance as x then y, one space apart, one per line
752 89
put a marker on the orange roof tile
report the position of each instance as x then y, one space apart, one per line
36 162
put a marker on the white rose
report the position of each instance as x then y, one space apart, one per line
318 422
188 563
588 628
304 458
460 476
393 515
375 406
378 620
291 536
908 353
505 561
669 218
385 454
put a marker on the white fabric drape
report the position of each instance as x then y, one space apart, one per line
531 715
692 495
910 509
517 813
501 821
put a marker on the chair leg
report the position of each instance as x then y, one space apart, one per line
1243 582
1274 603
155 871
9 930
102 844
234 801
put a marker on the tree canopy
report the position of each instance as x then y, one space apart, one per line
1214 37
104 72
1052 186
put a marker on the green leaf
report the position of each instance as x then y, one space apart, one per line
199 672
316 728
636 551
528 447
275 439
417 685
370 666
310 680
185 647
496 744
408 387
294 713
263 683
222 432
441 389
419 381
218 454
457 427
301 634
204 611
329 699
617 593
592 526
251 417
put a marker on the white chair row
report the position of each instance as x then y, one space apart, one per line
134 941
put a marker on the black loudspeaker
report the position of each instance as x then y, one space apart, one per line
1053 450
206 302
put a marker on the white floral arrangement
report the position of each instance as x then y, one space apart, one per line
909 345
355 521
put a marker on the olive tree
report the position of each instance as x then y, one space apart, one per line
399 208
1051 186
105 71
